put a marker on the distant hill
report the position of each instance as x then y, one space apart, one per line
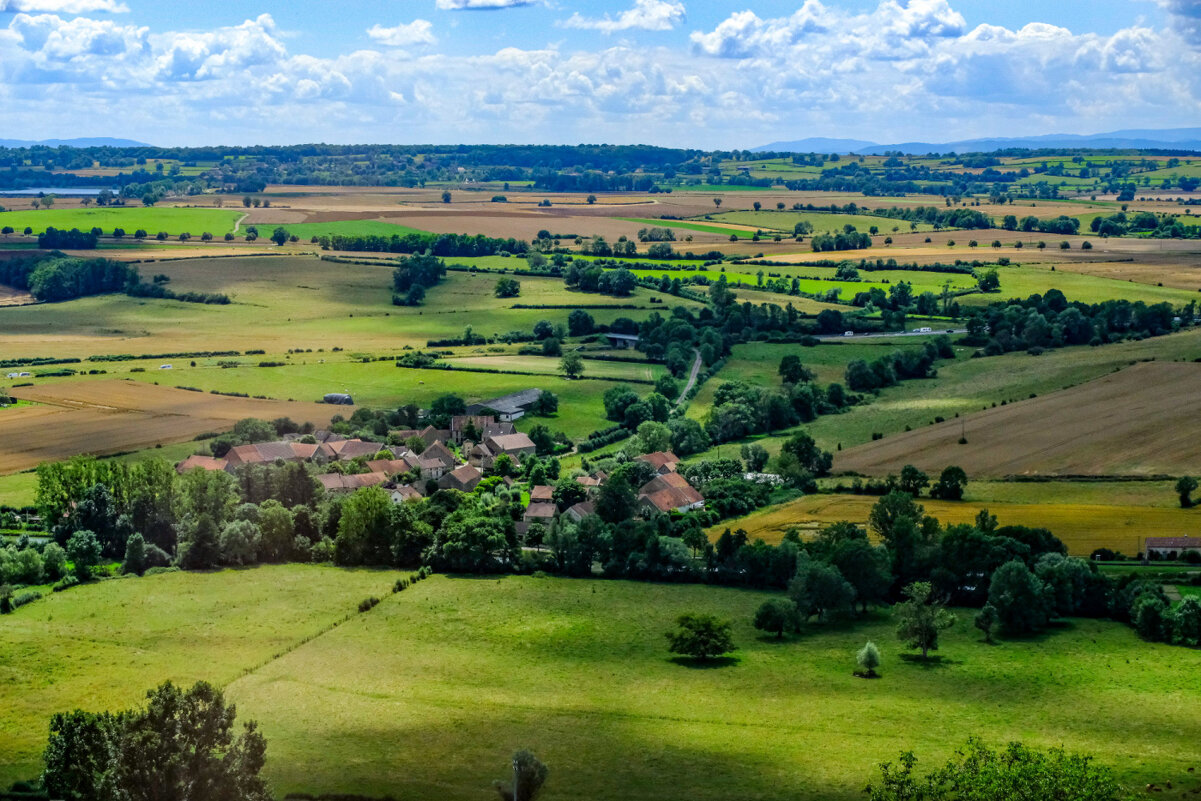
1137 139
94 141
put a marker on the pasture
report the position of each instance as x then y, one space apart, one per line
294 302
1139 421
104 417
1083 527
427 696
174 221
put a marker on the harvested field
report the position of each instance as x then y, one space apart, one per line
14 297
107 417
1139 421
1082 527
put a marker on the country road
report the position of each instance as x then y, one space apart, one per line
696 370
891 334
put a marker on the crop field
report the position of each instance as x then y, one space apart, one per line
174 221
106 416
465 670
1140 420
289 302
1027 280
961 387
1083 527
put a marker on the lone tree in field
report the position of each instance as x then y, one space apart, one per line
279 236
572 365
1185 487
701 637
776 616
868 660
507 288
446 197
921 618
717 202
181 746
529 774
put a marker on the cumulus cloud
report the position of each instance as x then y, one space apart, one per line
899 70
63 6
417 32
465 5
647 15
1186 17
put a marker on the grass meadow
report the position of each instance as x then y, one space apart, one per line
427 696
341 228
150 219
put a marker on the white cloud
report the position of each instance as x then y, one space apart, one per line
648 15
63 6
901 70
465 5
417 32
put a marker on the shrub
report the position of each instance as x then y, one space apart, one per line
868 660
367 604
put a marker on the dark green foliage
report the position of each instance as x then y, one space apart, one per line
423 270
950 485
1023 602
921 618
529 774
701 637
776 616
978 773
182 746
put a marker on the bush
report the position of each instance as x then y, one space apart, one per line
367 604
66 583
868 660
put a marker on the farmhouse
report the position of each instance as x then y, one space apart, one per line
269 453
662 461
392 467
202 462
622 341
580 511
1171 547
337 482
669 492
484 425
543 513
429 435
509 407
347 449
405 493
438 452
542 493
464 479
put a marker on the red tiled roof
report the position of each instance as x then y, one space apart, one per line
203 462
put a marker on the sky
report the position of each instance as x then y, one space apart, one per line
681 73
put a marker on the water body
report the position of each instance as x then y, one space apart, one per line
59 191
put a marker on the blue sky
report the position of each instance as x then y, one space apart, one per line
672 72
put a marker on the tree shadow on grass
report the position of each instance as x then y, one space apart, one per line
929 662
706 664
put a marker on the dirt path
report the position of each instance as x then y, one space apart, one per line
241 219
696 370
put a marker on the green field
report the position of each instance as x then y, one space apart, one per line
152 220
289 302
428 695
1026 280
342 228
823 223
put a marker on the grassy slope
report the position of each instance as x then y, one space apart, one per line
963 386
427 696
102 646
131 218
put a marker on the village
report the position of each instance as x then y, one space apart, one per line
477 445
